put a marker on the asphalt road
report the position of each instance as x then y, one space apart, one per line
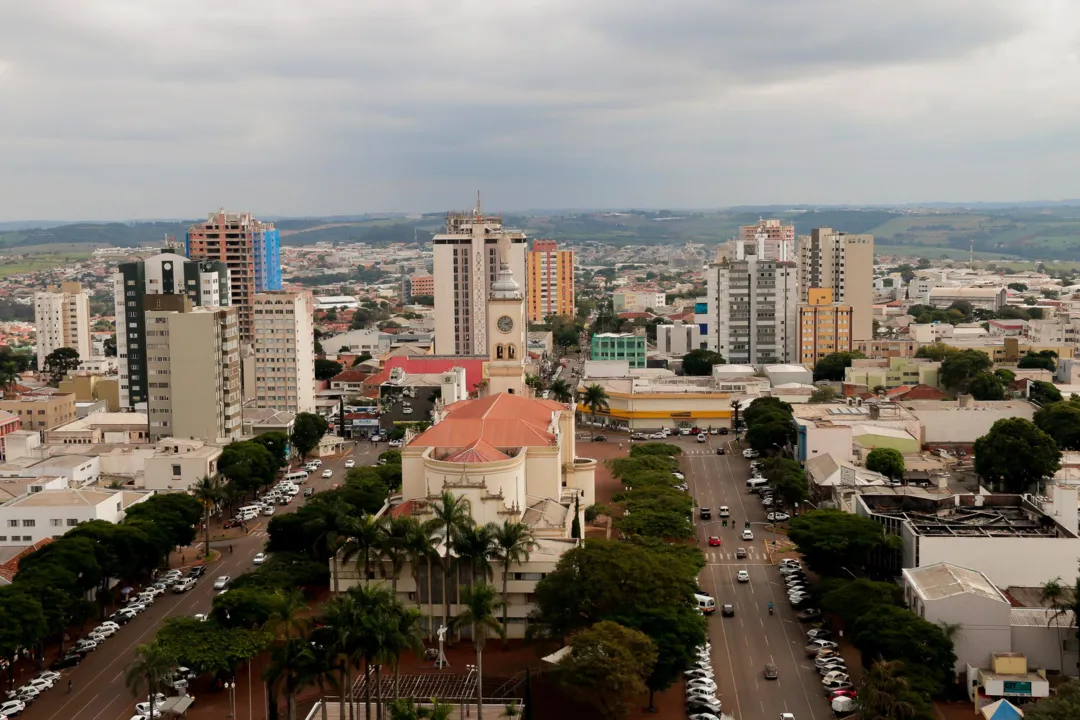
99 692
741 645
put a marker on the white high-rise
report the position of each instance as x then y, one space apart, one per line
284 344
62 318
466 265
752 307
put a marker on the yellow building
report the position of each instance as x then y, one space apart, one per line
550 281
41 411
824 326
89 386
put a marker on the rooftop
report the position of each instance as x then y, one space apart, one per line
944 580
63 498
966 515
500 421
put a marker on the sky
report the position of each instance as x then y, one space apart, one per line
124 109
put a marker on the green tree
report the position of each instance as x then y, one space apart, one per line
700 362
833 365
936 351
206 647
607 666
208 490
849 600
771 434
244 607
655 448
1064 704
394 545
1016 455
595 398
960 366
109 346
452 515
887 461
478 605
277 443
338 636
1018 287
308 430
1061 421
986 386
1041 392
1042 360
22 624
831 540
561 391
824 395
422 551
512 543
59 363
248 464
148 669
886 694
763 407
365 534
475 550
326 369
895 633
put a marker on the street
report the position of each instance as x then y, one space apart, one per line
741 645
98 690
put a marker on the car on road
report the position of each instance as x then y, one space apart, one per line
714 541
808 615
395 443
350 463
105 630
701 438
740 553
771 673
27 693
638 436
766 501
11 708
742 576
724 511
85 645
222 582
787 716
706 513
727 610
778 517
678 475
658 436
720 451
153 590
747 534
201 617
749 453
259 559
231 523
327 473
197 572
703 716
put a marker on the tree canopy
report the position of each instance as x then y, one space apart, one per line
700 362
59 363
308 430
248 464
833 365
960 367
1042 360
608 666
896 633
1015 455
1061 421
831 540
1064 704
326 369
887 461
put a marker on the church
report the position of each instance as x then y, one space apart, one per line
513 458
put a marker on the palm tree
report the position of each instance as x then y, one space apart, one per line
364 535
404 635
561 391
208 491
421 548
372 602
1059 598
9 376
148 669
595 398
332 535
885 693
340 640
290 661
394 545
513 541
478 612
475 548
451 515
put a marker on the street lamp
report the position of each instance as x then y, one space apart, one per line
231 688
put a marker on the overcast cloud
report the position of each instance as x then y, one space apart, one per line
139 108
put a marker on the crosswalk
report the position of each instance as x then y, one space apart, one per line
725 554
704 450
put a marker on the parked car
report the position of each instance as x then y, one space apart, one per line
350 463
86 645
658 436
308 492
395 443
678 475
778 517
818 634
599 438
105 630
259 559
222 582
749 453
197 572
11 708
808 615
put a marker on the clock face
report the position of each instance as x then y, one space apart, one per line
505 324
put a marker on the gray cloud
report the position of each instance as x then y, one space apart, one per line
122 108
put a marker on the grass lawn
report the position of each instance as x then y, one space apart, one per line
16 266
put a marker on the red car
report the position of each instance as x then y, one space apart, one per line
714 541
843 693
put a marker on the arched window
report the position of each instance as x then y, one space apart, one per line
498 352
510 350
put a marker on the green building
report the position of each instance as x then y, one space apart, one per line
618 346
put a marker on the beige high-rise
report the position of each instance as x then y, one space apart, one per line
193 369
844 264
62 318
284 361
466 262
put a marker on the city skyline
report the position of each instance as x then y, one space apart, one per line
330 108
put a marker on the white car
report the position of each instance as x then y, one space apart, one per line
703 684
27 693
105 630
742 576
749 453
52 674
86 645
395 443
201 617
684 431
259 559
350 463
222 582
96 637
747 534
42 683
154 590
777 517
835 676
327 473
724 511
701 438
143 708
316 462
658 436
11 708
678 475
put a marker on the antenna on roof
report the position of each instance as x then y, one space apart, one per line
479 211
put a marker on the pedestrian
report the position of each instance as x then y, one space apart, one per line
230 549
69 686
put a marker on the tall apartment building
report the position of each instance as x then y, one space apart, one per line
752 310
778 240
193 369
845 264
824 326
252 251
62 319
421 284
204 283
466 264
550 281
284 351
678 339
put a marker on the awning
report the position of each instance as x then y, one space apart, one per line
558 655
176 705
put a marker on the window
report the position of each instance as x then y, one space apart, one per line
28 523
56 522
72 522
176 470
13 523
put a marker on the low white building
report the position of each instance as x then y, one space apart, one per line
179 463
678 339
964 420
78 470
335 302
986 298
35 516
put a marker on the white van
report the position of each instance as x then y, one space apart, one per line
705 604
249 511
755 484
295 477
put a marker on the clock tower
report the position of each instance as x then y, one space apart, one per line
506 332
